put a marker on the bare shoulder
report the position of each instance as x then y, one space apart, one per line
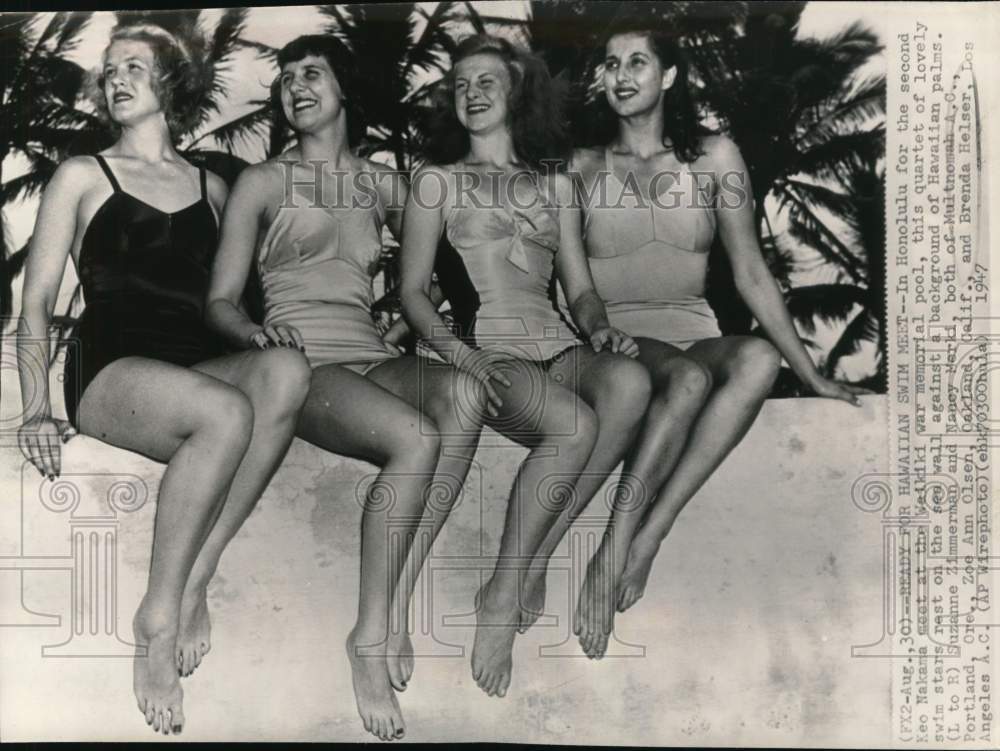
561 185
721 153
217 188
74 177
433 183
261 180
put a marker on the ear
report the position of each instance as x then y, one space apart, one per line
669 75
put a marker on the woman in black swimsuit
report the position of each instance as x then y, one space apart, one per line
148 376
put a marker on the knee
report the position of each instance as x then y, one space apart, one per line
417 443
623 392
280 382
226 410
687 381
574 427
459 405
754 364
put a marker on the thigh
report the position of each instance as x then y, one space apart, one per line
453 399
348 413
718 353
148 406
591 374
535 404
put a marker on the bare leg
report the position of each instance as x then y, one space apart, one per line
743 370
276 381
201 427
350 414
618 390
456 404
561 430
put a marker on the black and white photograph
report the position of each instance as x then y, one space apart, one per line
561 372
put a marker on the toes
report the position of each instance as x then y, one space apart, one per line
150 712
504 685
176 719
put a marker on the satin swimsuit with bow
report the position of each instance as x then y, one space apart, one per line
653 281
145 275
316 266
509 255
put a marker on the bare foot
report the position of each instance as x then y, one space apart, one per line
496 627
532 600
595 607
399 659
194 639
376 700
154 676
641 555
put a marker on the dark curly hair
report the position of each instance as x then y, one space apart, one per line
180 78
536 108
682 130
341 62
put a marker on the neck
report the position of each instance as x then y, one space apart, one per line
329 145
641 134
496 148
149 141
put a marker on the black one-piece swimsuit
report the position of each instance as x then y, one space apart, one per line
145 274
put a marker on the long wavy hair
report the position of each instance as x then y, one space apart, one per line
341 62
181 75
682 131
536 108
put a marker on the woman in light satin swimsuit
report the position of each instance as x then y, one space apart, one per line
577 406
312 221
654 199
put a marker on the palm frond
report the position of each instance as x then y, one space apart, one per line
829 303
862 328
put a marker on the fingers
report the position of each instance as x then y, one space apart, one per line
493 401
259 340
283 336
598 340
297 341
629 347
55 454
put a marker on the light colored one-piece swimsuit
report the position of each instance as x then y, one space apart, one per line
316 268
653 283
509 255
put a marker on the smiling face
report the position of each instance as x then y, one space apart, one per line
129 72
634 77
311 96
482 90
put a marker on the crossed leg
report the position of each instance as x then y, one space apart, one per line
561 431
456 403
617 388
201 428
276 382
743 369
350 414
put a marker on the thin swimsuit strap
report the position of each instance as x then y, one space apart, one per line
110 175
202 178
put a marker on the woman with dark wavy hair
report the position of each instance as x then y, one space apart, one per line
654 199
576 406
311 219
140 224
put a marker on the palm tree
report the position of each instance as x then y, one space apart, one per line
401 50
39 117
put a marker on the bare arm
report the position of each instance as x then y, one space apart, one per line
55 230
753 279
573 270
241 221
422 228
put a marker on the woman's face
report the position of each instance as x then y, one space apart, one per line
482 90
634 78
129 71
311 96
